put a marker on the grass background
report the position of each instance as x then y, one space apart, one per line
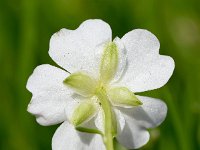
25 30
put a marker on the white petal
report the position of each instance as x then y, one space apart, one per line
74 50
133 136
67 138
99 120
121 59
119 117
120 121
149 115
146 69
70 107
50 95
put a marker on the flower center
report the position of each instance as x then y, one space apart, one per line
101 91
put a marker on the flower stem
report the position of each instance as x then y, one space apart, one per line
108 128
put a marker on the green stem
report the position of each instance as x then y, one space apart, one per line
107 137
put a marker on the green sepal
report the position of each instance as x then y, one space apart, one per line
89 130
109 62
82 83
83 112
121 96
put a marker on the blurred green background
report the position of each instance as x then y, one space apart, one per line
25 30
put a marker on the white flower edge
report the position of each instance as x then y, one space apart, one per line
149 115
50 96
146 69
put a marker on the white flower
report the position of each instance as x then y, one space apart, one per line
103 73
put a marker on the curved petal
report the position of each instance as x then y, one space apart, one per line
146 69
149 115
74 50
99 121
120 120
121 59
50 96
66 137
133 136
